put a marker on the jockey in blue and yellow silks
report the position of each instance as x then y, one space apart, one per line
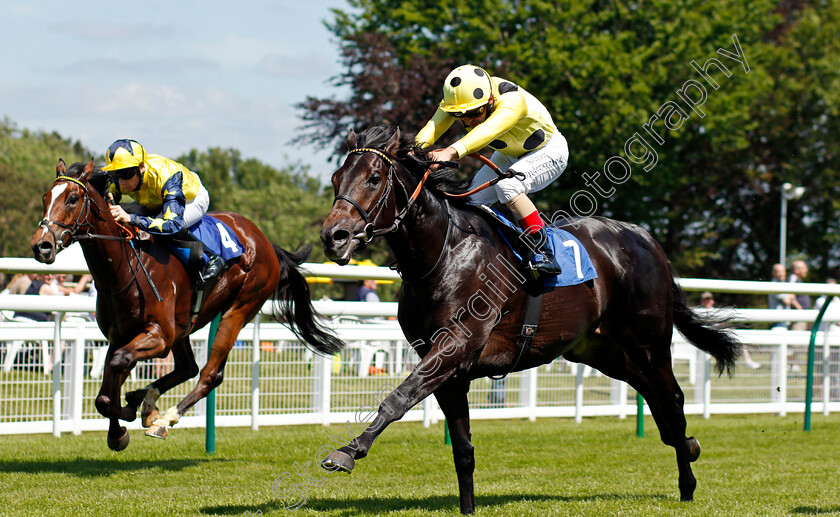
168 197
501 115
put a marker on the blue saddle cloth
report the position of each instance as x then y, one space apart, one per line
215 235
570 253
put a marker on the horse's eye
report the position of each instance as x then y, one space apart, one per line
375 179
72 199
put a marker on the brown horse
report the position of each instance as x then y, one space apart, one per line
138 325
463 300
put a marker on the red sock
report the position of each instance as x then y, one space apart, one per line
532 223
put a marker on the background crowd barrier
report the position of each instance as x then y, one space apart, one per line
272 379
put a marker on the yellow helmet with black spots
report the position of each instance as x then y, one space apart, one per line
466 88
124 153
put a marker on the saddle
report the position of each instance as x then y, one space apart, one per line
573 257
575 261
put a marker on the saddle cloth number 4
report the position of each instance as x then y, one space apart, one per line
228 243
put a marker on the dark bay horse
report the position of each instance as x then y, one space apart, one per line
463 300
140 327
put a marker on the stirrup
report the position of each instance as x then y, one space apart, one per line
544 264
214 266
543 260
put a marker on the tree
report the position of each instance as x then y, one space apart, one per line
27 168
287 205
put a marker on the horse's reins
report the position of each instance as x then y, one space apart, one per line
495 168
370 231
71 231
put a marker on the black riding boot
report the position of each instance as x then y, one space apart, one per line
543 259
214 265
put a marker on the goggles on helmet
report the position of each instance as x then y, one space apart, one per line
474 113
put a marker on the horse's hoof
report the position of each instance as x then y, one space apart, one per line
118 443
693 449
149 418
156 431
337 460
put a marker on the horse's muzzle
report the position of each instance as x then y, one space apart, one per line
44 251
339 244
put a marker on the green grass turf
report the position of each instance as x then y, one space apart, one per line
750 465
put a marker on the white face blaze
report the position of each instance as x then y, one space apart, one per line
55 193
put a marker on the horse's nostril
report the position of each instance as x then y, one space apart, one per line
340 236
44 247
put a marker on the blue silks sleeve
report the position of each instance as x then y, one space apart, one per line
171 217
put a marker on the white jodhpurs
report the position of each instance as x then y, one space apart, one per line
539 167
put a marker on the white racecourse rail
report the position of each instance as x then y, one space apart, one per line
271 379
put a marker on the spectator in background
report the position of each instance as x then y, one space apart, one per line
367 293
41 285
20 283
781 300
800 273
77 289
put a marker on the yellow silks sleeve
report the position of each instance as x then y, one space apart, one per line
509 110
434 129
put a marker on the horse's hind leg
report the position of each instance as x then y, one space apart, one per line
185 369
213 372
452 397
648 370
655 380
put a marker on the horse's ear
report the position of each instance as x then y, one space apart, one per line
61 168
352 141
393 143
86 172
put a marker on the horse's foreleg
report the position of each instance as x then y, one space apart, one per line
430 373
452 397
118 365
108 400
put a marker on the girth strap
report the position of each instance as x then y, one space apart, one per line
528 332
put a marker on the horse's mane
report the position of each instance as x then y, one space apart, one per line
444 179
98 178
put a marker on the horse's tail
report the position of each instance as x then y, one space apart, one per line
293 303
710 333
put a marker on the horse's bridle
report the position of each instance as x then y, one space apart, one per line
370 231
82 222
70 230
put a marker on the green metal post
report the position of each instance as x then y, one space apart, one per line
812 352
446 438
640 415
210 425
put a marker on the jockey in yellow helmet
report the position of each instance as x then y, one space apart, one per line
168 197
501 115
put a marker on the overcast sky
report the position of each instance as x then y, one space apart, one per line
172 75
